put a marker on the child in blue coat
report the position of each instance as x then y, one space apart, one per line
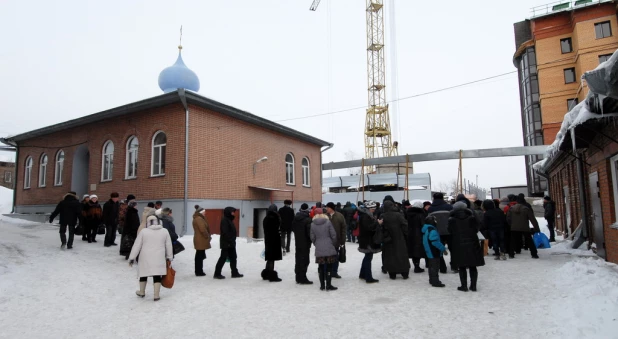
434 250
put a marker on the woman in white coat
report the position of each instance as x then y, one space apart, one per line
154 247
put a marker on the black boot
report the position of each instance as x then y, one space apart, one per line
417 265
273 276
321 273
329 286
463 278
264 274
405 275
474 275
393 276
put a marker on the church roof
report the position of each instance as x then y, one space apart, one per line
177 96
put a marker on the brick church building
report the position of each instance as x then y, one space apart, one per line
179 147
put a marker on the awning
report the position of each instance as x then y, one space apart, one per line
271 190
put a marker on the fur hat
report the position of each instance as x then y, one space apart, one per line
304 207
417 203
132 203
166 211
460 205
331 205
86 196
130 197
94 196
152 220
370 204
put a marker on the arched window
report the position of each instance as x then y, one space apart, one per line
159 143
306 176
132 146
43 170
28 172
289 169
59 168
107 161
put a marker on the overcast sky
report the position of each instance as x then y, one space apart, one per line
61 60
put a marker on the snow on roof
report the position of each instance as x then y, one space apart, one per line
602 82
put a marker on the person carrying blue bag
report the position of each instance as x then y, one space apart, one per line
434 249
541 240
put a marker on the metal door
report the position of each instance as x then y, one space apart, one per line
596 216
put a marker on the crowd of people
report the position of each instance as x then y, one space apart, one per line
401 232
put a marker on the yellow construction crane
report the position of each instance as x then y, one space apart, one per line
378 141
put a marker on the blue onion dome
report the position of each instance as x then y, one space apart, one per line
178 76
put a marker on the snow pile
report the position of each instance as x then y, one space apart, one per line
6 200
537 202
589 302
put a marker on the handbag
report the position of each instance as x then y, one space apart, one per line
378 236
168 279
342 253
101 229
79 230
177 247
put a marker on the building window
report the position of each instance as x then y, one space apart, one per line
603 58
107 161
614 166
566 46
8 177
289 169
59 168
159 143
571 103
132 146
306 178
603 30
569 75
28 172
43 170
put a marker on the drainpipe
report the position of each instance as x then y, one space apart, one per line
582 190
183 100
321 172
15 177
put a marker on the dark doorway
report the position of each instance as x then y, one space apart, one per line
258 222
597 214
80 170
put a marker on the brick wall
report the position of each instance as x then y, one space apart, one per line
7 174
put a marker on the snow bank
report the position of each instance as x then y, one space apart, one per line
6 200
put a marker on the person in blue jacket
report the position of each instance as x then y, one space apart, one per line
434 249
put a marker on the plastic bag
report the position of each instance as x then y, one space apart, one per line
541 240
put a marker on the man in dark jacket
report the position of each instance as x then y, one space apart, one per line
519 218
441 210
287 217
439 204
395 251
228 244
466 249
69 209
110 219
301 226
338 222
494 222
550 216
272 242
416 220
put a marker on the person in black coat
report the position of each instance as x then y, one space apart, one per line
439 204
550 215
287 217
82 220
466 251
131 225
394 249
301 226
416 216
110 219
69 209
272 238
228 244
494 222
368 226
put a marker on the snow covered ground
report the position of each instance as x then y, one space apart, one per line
89 292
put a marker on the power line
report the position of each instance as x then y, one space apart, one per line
403 98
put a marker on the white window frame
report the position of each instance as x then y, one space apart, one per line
289 170
134 153
306 172
8 177
162 149
613 165
107 158
59 168
28 172
43 170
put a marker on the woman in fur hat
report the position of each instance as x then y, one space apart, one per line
324 238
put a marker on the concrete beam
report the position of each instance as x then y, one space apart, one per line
466 154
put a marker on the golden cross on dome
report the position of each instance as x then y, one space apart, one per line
180 44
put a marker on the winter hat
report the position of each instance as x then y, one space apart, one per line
417 203
438 196
151 204
132 203
304 207
318 211
166 211
460 197
330 205
198 209
272 208
547 198
478 203
406 203
94 196
511 197
460 205
370 204
152 220
431 220
318 204
389 198
130 197
287 202
86 196
426 203
114 195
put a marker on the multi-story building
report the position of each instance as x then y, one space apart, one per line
554 48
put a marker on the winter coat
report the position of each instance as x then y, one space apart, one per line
550 210
439 205
93 214
519 218
466 248
431 242
348 215
478 214
395 252
272 237
301 226
416 218
287 217
69 209
131 224
110 213
148 211
168 224
338 222
122 215
508 207
153 245
442 219
201 232
494 220
367 226
323 236
228 229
